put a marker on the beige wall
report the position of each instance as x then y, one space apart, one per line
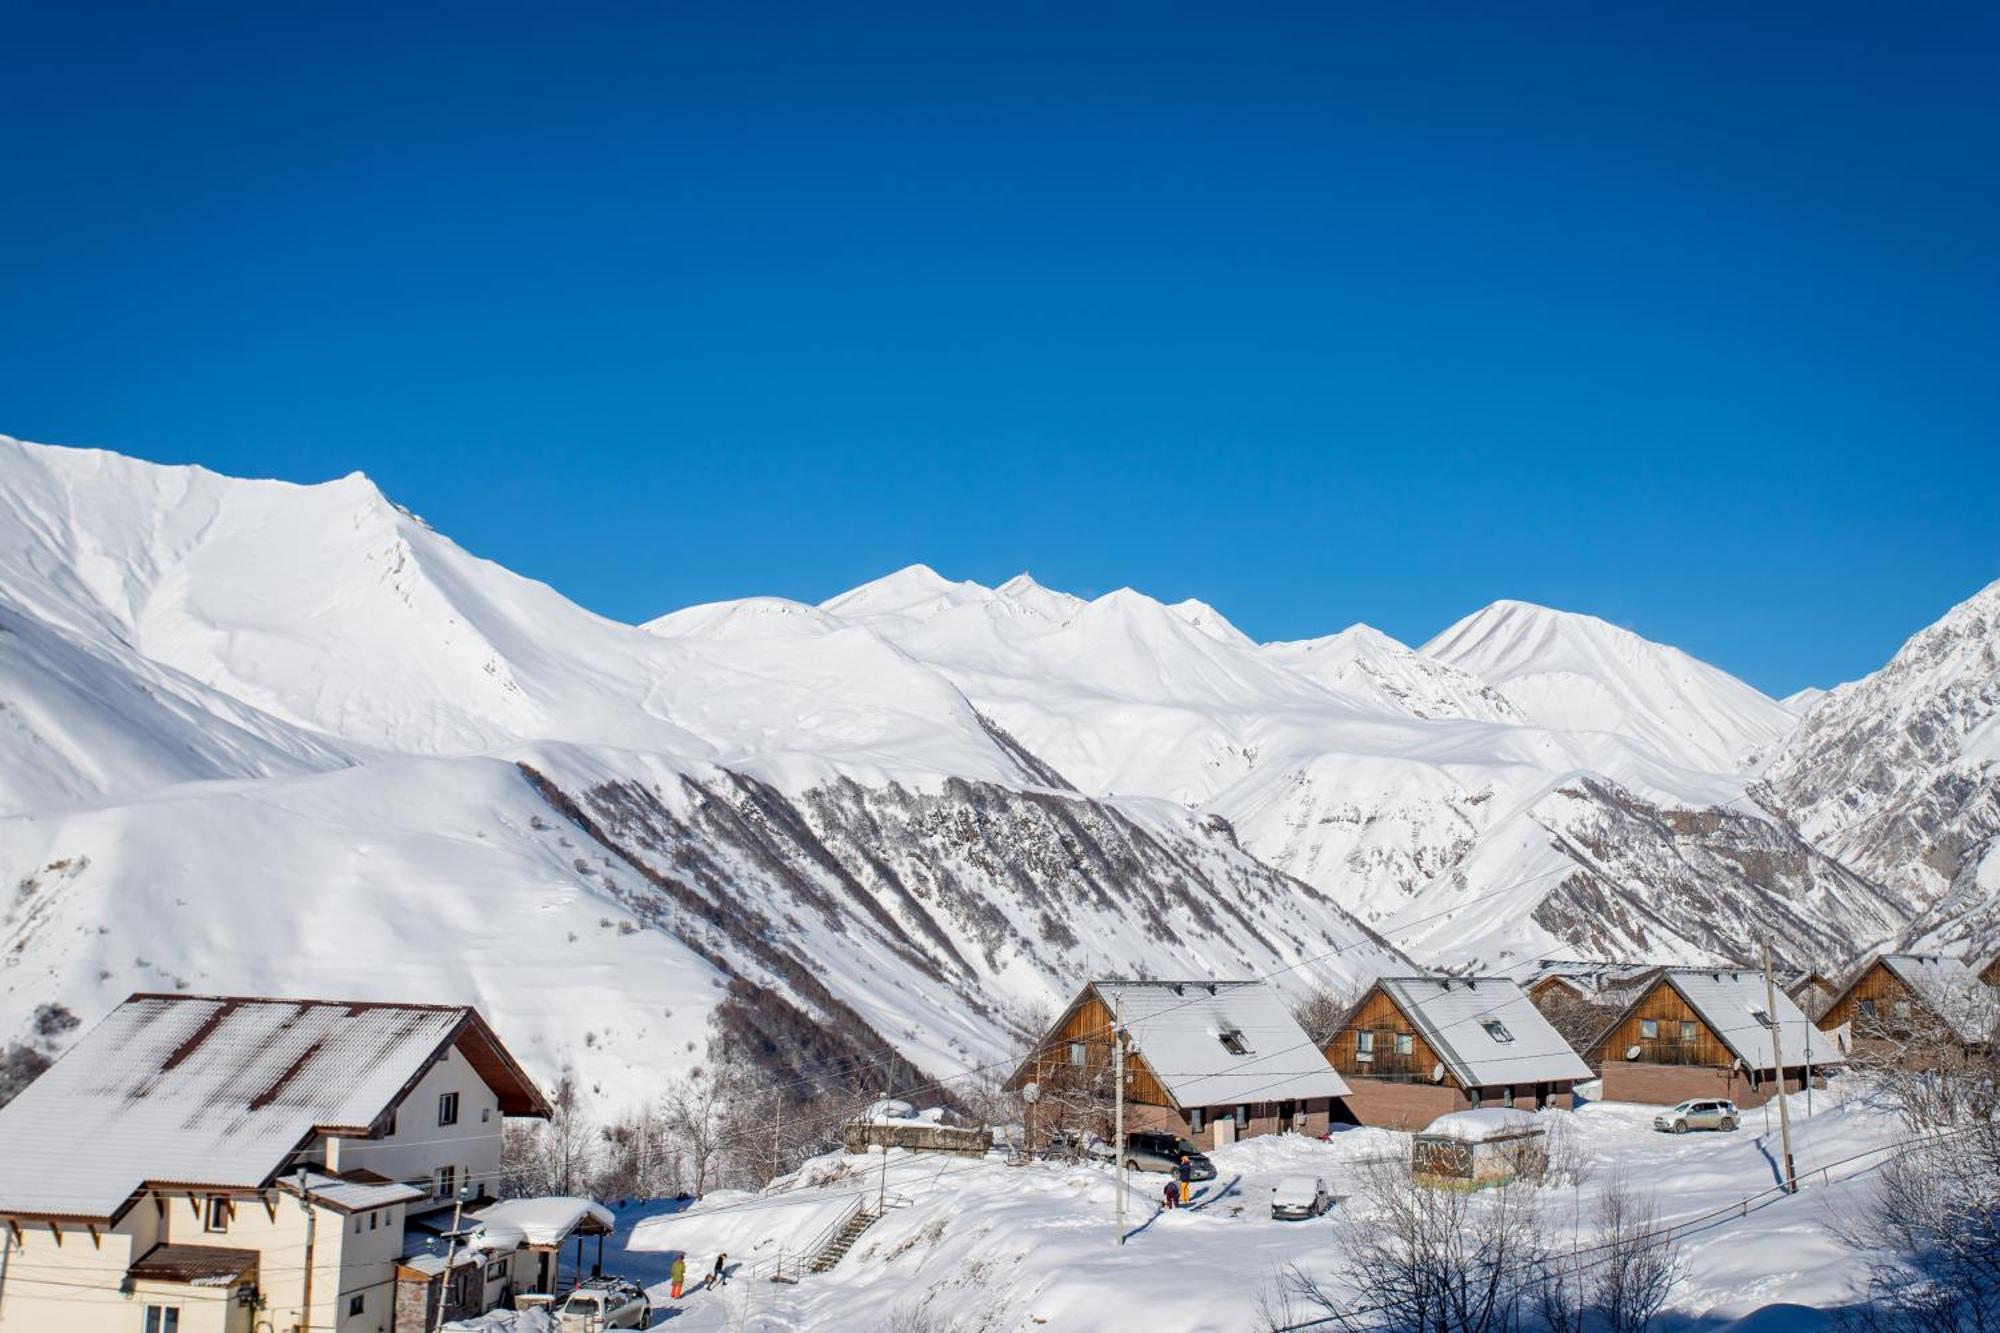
74 1286
420 1145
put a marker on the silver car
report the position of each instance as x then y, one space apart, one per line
1297 1198
605 1302
1698 1113
1148 1150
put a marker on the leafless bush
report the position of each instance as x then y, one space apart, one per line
1322 1010
1436 1259
556 1157
1580 1021
1929 1233
1636 1267
918 1319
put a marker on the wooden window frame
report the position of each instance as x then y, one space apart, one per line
447 1109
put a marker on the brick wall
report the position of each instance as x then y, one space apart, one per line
1401 1105
1663 1085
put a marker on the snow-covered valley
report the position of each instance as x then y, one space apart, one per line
257 736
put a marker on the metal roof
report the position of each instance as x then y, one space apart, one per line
217 1092
1952 991
1729 1001
1485 1030
1177 1027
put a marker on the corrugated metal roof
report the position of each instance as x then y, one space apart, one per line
200 1265
1953 991
1729 1002
204 1091
1486 1030
1178 1028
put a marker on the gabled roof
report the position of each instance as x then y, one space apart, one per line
1728 1001
1485 1030
206 1091
1177 1028
1952 991
1592 979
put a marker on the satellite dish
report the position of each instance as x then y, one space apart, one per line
1437 1072
1631 1052
1031 1093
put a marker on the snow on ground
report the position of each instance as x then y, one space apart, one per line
992 1248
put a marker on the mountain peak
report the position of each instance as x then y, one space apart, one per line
1211 622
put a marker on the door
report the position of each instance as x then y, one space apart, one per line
1225 1131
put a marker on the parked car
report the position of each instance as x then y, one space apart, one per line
1298 1197
1070 1146
1151 1151
605 1302
1697 1113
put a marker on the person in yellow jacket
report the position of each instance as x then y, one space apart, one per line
680 1273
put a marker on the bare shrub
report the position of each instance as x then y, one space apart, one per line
1322 1010
1438 1259
1636 1266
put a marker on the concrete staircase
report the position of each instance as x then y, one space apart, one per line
843 1240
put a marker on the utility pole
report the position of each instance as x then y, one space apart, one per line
1778 1059
6 1254
1118 1116
882 1198
451 1256
312 1227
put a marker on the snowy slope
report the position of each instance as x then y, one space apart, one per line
1578 673
287 738
1367 666
1898 773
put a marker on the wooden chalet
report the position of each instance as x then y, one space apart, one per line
1914 1006
1215 1061
1707 1033
1416 1048
1810 989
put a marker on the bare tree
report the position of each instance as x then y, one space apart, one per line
1322 1010
1439 1260
555 1157
1929 1232
1636 1266
695 1110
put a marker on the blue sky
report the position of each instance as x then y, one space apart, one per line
1684 317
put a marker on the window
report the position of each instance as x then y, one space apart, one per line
163 1319
1902 1008
484 1113
355 1302
1242 1115
1868 1008
1649 1029
1507 1096
1076 1052
357 1224
496 1270
1194 1120
445 1182
1232 1041
1405 1043
372 1219
215 1217
1689 1031
447 1108
1763 1018
1364 1046
1497 1030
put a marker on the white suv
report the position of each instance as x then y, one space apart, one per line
1697 1113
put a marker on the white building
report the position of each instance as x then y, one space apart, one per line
211 1164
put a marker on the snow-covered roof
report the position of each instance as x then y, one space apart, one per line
1730 1003
545 1221
1953 992
1485 1030
1179 1029
1483 1123
216 1091
354 1191
1592 979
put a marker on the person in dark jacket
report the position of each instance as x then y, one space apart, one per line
1185 1174
1172 1195
720 1276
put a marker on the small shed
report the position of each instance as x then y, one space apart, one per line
1487 1146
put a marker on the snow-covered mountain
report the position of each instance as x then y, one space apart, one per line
1578 673
1898 774
267 736
287 738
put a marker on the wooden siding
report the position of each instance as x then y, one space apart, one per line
1088 1021
1884 990
1379 1014
1662 1004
